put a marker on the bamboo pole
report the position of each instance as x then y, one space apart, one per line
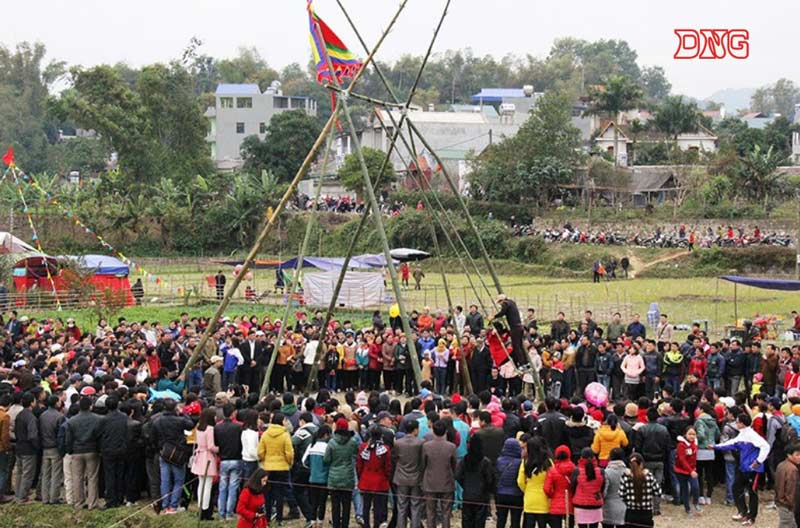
414 359
368 187
267 229
461 203
298 269
435 216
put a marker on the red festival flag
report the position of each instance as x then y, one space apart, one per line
8 158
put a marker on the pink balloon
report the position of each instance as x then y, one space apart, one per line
249 275
596 394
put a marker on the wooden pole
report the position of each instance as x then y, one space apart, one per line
298 269
267 229
462 205
368 187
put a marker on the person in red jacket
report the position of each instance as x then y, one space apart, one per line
556 486
250 508
686 468
375 360
586 485
698 364
374 468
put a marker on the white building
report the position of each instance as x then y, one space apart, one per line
702 140
241 110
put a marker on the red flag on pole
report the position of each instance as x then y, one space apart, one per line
8 158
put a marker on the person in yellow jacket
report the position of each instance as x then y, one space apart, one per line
608 437
530 479
276 454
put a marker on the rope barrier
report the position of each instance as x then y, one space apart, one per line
150 504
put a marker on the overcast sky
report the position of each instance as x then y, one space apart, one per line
89 32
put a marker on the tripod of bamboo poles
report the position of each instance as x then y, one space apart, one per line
414 131
375 211
267 229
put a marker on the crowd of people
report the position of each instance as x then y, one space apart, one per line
619 417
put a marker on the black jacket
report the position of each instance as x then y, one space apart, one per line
49 423
228 437
554 428
26 429
82 433
474 323
509 310
113 434
735 363
493 439
168 429
676 426
585 357
477 483
559 330
652 442
579 435
136 444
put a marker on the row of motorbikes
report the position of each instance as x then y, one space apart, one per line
657 240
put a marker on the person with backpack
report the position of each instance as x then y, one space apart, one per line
169 433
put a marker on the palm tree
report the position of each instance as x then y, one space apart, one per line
619 94
675 117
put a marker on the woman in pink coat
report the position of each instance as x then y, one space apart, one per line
205 459
633 366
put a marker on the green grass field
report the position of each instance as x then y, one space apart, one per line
684 299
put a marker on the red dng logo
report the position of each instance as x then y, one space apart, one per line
712 43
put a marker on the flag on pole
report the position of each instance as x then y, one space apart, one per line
324 42
8 158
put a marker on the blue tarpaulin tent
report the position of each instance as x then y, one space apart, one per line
766 284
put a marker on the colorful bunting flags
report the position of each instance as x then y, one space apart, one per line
89 231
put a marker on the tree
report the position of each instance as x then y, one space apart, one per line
85 155
352 178
675 117
25 80
532 164
156 127
778 135
247 67
758 173
618 95
655 83
777 98
290 135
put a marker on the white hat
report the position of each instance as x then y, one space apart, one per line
727 401
215 359
55 347
19 363
88 379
